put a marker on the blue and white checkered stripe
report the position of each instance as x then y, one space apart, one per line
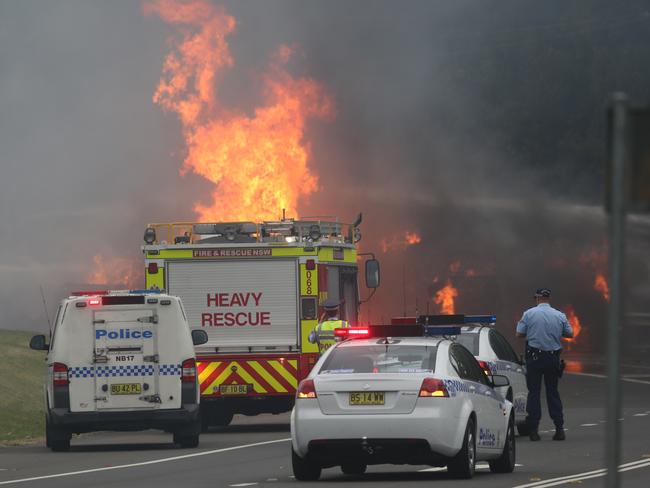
113 371
169 369
82 372
137 370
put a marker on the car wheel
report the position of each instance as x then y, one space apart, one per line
523 429
187 441
354 468
463 464
506 462
56 438
304 469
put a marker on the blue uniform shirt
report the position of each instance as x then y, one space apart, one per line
544 327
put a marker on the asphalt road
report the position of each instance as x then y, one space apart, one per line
254 451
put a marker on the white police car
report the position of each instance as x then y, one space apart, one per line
496 356
121 361
393 396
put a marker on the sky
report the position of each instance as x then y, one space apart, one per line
480 125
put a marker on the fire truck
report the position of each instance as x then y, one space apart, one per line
257 289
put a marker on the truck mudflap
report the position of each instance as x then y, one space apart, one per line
245 376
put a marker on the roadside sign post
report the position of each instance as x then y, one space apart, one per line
616 189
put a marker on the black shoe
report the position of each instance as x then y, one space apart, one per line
534 436
559 434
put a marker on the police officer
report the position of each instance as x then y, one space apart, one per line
323 334
543 327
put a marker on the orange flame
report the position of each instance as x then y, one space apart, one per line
114 271
445 297
257 163
601 285
401 241
573 319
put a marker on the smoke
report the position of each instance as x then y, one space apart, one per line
477 125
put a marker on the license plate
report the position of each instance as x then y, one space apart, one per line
367 398
126 389
235 389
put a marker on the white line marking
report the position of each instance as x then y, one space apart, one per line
623 378
642 463
144 463
478 466
588 425
640 414
244 484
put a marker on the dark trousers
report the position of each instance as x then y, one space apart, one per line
543 365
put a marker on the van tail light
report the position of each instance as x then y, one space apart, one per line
306 389
485 367
188 372
433 387
60 374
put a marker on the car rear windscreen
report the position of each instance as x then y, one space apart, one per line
123 300
381 359
470 341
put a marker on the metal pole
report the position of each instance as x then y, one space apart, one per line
616 263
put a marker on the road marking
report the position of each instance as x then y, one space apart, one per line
143 463
244 484
640 414
478 466
588 425
623 378
642 463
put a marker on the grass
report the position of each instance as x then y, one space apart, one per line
21 383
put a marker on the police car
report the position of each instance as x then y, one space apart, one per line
400 394
496 356
120 361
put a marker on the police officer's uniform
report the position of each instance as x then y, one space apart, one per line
323 334
544 327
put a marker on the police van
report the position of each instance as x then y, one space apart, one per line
121 360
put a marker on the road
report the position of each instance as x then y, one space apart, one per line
254 451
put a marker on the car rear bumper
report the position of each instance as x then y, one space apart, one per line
314 432
125 420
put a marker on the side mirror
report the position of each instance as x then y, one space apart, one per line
199 337
38 343
500 380
372 273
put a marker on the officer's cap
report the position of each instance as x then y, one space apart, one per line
542 293
331 304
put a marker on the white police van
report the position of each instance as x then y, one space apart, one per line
121 360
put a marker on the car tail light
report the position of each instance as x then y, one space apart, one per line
152 268
306 389
485 367
60 374
188 372
352 332
433 387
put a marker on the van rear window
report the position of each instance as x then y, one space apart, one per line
123 300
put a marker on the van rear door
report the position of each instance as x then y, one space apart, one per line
125 357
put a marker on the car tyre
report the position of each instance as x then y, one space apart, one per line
354 468
523 429
304 469
187 441
463 464
57 438
506 462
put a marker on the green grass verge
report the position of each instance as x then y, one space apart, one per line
21 383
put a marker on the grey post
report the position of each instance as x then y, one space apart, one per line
619 155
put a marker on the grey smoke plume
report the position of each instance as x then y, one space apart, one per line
479 125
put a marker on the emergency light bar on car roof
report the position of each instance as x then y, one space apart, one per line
409 330
457 319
